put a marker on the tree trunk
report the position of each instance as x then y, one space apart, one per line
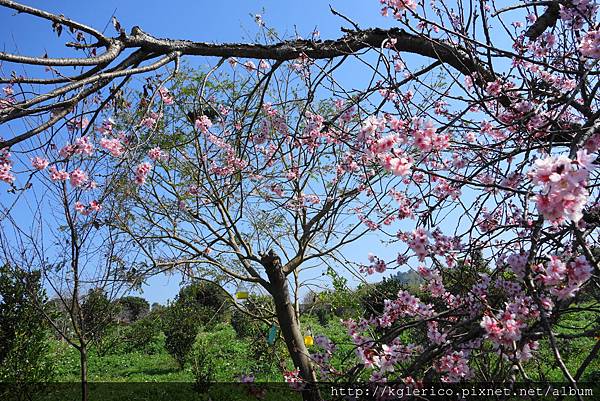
290 329
83 360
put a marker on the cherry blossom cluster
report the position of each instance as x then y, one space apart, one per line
564 186
6 167
386 150
503 329
141 172
426 137
418 242
577 12
377 265
166 96
563 279
113 145
8 99
385 358
455 366
590 44
397 7
381 359
39 163
81 146
203 123
150 120
433 279
405 206
274 122
78 177
93 206
314 133
57 175
156 154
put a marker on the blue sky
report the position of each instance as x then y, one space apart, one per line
225 21
195 20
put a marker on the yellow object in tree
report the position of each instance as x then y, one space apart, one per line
309 341
241 293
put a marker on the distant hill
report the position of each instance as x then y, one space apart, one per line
409 278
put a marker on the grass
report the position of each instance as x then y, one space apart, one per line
573 351
129 367
230 357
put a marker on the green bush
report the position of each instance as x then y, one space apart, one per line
373 296
144 336
203 368
131 309
24 347
201 304
342 299
207 301
180 327
227 355
314 305
243 324
98 313
344 357
112 341
265 356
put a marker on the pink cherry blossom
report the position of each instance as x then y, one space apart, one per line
264 65
565 194
39 163
95 206
419 243
78 177
83 146
455 365
377 265
166 96
106 128
141 172
590 44
426 137
80 208
114 146
579 270
156 153
398 7
57 175
5 174
66 151
203 123
150 120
